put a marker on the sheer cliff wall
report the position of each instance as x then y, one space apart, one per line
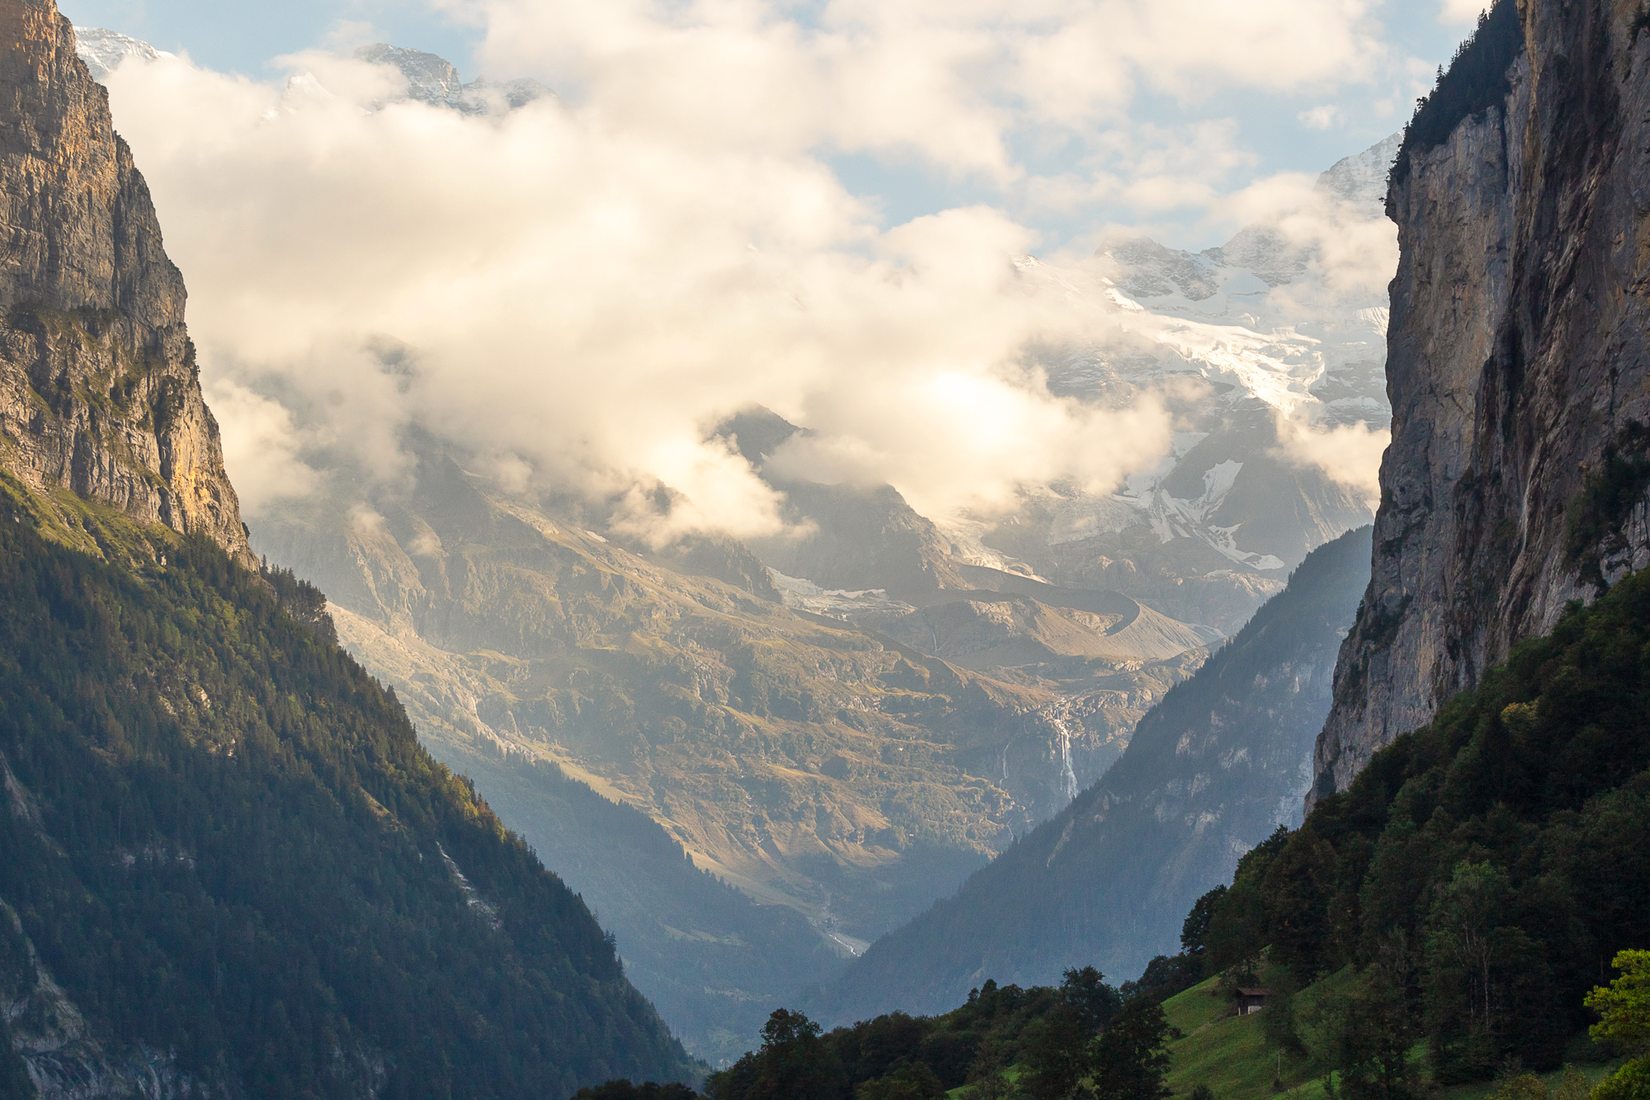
1518 368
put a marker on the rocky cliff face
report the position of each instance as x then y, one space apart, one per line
1519 370
99 392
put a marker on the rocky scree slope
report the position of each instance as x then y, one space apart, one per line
1210 772
99 391
1518 478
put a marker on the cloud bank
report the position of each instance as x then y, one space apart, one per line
576 291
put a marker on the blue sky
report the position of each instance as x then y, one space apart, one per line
1268 127
242 36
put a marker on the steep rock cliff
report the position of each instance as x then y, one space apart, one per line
1519 364
99 392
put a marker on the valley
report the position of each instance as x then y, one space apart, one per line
758 552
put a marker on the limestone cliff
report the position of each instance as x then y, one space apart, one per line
1519 363
99 392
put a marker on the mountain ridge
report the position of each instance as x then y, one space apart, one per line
1220 763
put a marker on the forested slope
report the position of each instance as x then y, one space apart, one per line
229 864
1493 860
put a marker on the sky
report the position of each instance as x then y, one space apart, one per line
821 207
1303 121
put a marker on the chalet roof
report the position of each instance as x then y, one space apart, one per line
1253 991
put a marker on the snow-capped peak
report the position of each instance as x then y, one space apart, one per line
105 51
433 79
1361 178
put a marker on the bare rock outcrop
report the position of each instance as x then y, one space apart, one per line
1519 367
99 390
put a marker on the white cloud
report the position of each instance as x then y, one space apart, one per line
1354 250
581 303
1349 453
575 291
1460 11
949 81
262 449
1324 117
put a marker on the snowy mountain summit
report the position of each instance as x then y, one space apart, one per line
105 51
430 78
1270 351
433 79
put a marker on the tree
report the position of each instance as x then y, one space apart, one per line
987 1078
793 1063
1463 963
1086 993
1371 1029
624 1090
911 1081
1296 890
1054 1055
1623 1007
1194 931
1278 1021
1131 1060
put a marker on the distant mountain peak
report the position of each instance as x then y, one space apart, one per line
1361 178
104 51
430 77
433 79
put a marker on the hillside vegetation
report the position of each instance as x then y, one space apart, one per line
1480 874
228 862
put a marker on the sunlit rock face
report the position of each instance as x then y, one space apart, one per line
99 391
1519 373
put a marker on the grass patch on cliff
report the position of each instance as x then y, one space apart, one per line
75 523
1607 500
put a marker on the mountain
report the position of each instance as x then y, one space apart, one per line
821 770
1494 855
805 760
1476 839
104 51
434 79
1268 338
1519 369
1491 858
862 554
1212 770
823 764
230 869
99 393
714 962
845 722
